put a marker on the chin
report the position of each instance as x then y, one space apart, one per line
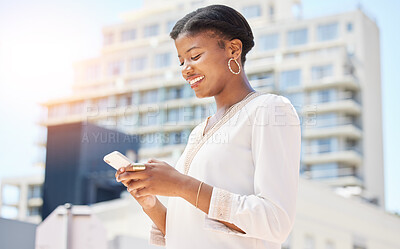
202 95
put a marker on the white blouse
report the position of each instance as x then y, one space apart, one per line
251 157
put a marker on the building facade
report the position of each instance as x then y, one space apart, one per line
26 202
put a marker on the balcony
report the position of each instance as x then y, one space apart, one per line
349 106
335 177
347 130
348 82
348 157
331 126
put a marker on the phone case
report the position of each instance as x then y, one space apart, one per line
117 160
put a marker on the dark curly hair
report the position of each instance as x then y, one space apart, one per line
224 21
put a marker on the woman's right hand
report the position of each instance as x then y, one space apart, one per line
147 201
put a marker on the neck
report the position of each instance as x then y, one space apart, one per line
232 93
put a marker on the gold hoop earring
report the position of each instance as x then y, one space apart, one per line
229 65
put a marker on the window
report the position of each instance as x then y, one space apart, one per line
327 32
187 113
124 100
269 42
174 115
148 97
151 30
174 93
108 39
291 78
92 72
149 118
201 112
262 79
271 11
297 37
172 138
138 64
114 68
326 120
320 72
324 145
128 35
323 96
349 27
33 211
251 11
162 60
324 170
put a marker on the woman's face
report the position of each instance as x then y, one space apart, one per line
204 63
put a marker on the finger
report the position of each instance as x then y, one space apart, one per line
131 176
136 185
153 160
126 183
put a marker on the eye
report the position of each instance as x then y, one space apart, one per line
196 57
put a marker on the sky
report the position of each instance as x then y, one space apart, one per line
40 41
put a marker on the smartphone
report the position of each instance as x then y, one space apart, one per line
117 160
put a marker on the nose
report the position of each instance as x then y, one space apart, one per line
187 69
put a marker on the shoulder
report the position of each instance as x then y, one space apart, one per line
271 98
273 104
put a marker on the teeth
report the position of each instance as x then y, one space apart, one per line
195 80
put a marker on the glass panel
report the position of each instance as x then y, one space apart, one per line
138 64
269 42
327 32
149 97
128 35
290 78
151 30
349 27
114 68
297 37
326 120
320 72
251 11
162 60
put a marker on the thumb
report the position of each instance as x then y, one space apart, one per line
153 160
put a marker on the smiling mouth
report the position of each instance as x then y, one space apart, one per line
195 81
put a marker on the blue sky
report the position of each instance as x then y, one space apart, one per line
45 37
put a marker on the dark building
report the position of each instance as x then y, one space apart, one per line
75 170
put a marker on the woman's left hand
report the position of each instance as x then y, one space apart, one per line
159 178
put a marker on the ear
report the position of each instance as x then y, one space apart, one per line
235 49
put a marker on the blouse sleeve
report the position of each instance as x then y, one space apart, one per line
269 213
156 236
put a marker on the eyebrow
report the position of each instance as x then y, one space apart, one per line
189 50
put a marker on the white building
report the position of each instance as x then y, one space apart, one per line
26 201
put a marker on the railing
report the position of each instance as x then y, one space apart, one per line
331 173
326 148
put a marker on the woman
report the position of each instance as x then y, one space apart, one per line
235 184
